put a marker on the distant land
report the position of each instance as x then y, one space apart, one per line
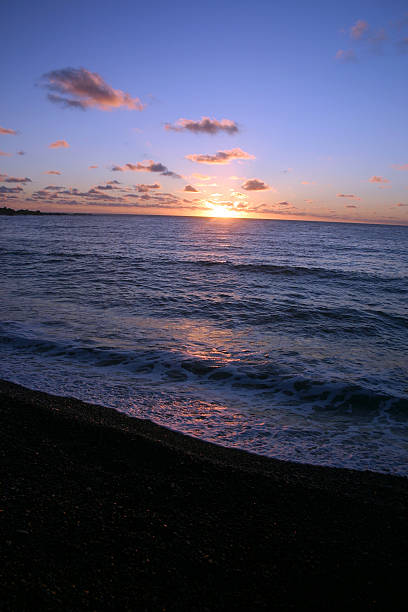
24 211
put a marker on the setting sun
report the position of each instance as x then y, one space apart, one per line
220 210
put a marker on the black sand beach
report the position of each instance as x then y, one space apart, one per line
100 511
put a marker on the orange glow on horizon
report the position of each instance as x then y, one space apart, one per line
222 211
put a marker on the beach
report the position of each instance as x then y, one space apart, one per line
102 511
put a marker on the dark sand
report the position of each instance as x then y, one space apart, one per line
100 511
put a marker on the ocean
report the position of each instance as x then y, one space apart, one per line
284 338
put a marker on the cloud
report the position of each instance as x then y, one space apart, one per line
308 182
56 172
59 144
92 167
346 56
142 188
358 30
4 189
80 88
347 195
202 177
254 184
114 182
21 153
204 126
402 45
8 131
350 206
378 179
147 166
221 157
191 189
400 166
16 179
4 154
401 204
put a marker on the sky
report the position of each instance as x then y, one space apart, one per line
288 110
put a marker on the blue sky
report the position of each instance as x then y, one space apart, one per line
317 92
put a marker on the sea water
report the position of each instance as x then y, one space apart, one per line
285 338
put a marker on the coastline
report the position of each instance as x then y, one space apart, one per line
102 511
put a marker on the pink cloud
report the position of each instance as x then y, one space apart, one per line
4 154
347 195
400 166
221 157
254 184
56 172
7 131
59 144
350 206
358 30
204 126
80 88
346 55
378 179
401 204
92 167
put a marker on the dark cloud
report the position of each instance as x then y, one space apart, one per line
147 166
54 188
191 189
221 157
350 206
254 185
80 88
204 126
17 179
401 204
4 189
142 188
21 153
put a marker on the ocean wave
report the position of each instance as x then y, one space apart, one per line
267 380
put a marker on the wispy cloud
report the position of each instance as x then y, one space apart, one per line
8 131
358 30
378 179
346 56
4 154
147 166
56 172
59 144
220 157
80 88
204 126
401 204
92 167
348 195
351 206
21 153
400 166
191 189
402 45
254 184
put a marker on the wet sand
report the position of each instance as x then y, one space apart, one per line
100 511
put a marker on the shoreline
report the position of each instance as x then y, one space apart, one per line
102 510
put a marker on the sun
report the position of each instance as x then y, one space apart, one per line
218 210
